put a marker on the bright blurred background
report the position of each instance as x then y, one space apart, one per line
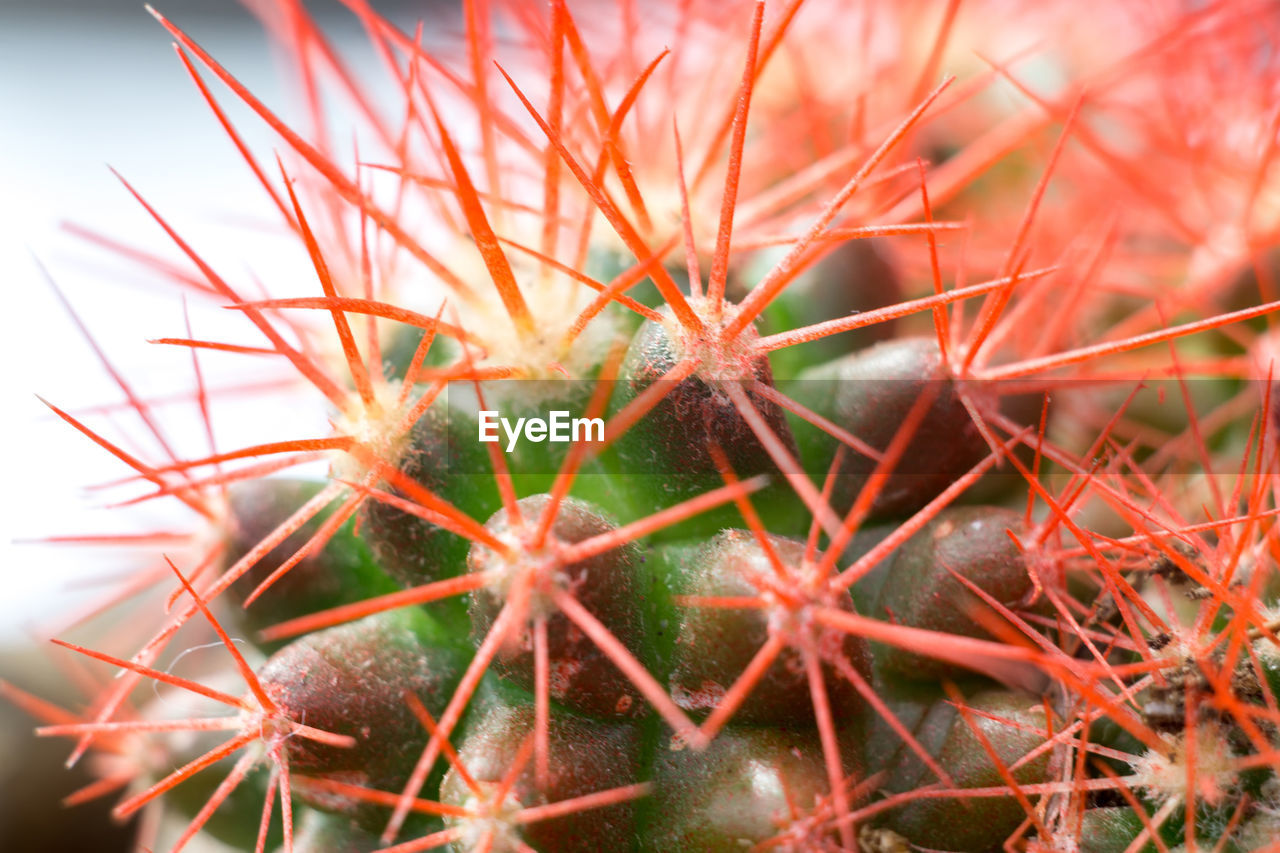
87 84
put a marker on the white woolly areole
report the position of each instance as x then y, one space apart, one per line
501 821
1163 775
554 301
378 427
1265 647
718 360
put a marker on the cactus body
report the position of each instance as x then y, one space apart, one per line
736 461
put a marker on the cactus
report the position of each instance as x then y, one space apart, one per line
691 486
